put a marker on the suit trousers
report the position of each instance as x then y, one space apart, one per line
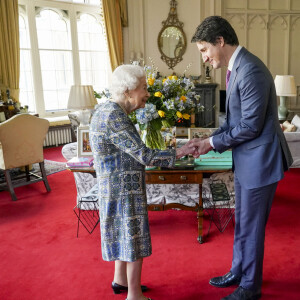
252 209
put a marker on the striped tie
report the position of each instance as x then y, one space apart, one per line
227 77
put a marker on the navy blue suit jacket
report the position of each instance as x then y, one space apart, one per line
252 130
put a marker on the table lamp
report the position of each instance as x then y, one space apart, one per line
82 98
285 87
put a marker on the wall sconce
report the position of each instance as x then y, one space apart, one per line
285 87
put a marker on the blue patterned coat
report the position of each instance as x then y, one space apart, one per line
120 157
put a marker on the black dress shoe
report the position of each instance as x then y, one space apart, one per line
117 288
243 294
225 281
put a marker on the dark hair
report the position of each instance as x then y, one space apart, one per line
214 27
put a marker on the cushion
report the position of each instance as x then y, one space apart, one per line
57 121
296 122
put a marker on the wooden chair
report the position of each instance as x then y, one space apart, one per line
21 144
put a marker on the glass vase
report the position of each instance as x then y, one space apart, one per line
153 138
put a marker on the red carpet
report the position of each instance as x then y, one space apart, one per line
41 258
54 153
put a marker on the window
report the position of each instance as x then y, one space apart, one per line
68 47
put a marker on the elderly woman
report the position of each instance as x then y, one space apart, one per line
120 157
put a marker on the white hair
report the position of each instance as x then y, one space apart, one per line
125 78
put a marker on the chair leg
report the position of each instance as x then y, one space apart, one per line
27 173
10 185
43 171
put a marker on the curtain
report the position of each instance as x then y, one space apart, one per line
123 10
115 15
9 47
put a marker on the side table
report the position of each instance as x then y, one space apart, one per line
184 172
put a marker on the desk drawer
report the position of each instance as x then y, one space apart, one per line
173 178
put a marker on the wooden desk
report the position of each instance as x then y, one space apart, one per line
185 172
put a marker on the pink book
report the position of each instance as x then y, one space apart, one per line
80 162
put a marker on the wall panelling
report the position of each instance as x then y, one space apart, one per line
268 28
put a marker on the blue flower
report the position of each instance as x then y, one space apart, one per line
147 114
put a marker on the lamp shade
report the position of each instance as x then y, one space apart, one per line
285 85
81 97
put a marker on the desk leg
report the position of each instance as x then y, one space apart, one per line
200 216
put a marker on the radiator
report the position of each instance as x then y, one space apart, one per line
58 135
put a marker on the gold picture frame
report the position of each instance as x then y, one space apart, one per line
200 132
83 141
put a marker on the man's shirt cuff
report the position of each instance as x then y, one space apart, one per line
211 142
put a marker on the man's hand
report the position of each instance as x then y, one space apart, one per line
202 146
185 150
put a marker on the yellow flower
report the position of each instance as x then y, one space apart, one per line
164 80
151 81
158 94
179 114
186 116
173 77
161 113
183 98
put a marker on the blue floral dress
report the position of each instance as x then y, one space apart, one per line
120 157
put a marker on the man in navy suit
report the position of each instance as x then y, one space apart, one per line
259 149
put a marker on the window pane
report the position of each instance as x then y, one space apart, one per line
90 34
93 54
52 31
55 100
26 96
57 78
24 37
26 87
91 65
51 99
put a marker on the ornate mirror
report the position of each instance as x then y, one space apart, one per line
171 39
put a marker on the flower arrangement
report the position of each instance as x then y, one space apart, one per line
171 99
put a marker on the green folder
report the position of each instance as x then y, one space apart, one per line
213 158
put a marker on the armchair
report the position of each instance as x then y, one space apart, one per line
21 144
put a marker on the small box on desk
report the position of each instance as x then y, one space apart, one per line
80 162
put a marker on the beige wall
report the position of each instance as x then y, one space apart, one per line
268 28
145 22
